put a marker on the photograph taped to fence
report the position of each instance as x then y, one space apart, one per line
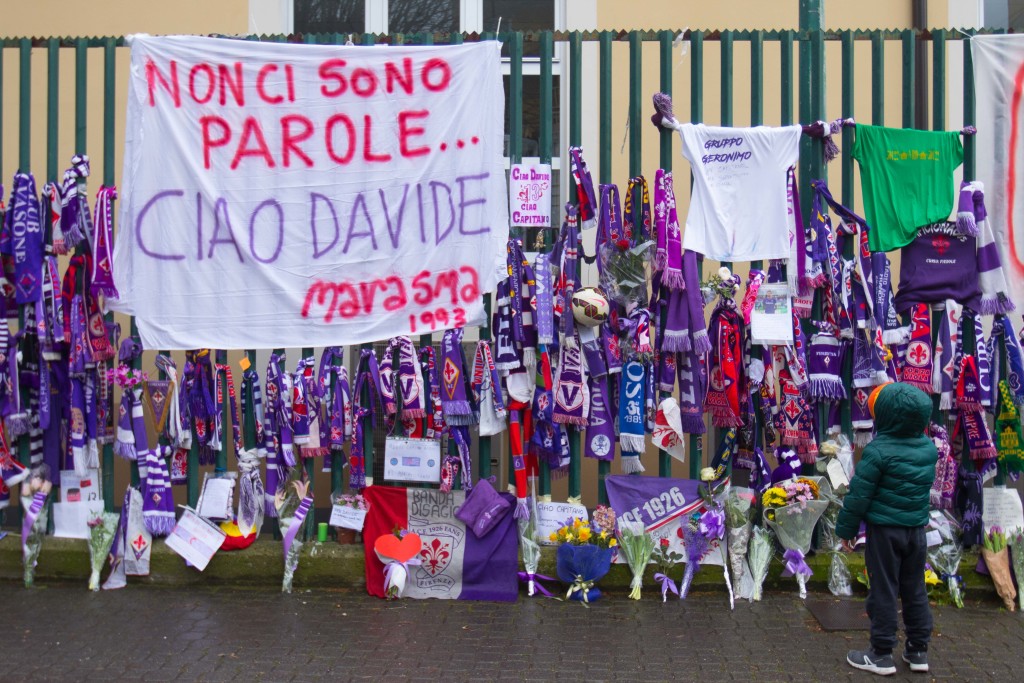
283 195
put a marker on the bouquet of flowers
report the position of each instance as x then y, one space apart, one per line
738 515
352 500
792 509
398 551
759 554
126 377
723 283
33 526
838 571
945 557
638 546
997 560
102 528
1016 543
665 559
291 513
583 558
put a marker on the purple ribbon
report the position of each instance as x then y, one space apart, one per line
712 524
667 585
300 516
32 514
795 564
528 577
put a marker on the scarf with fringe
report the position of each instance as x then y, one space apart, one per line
632 401
918 369
726 373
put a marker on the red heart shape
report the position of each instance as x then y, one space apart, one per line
398 549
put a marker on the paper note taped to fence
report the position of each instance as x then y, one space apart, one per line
282 195
412 460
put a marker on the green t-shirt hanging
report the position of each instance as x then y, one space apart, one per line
906 180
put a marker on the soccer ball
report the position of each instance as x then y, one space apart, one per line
590 306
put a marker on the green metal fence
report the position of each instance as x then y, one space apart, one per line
809 81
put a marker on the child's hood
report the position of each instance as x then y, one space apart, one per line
902 410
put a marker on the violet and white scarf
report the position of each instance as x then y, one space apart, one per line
76 223
545 314
103 244
944 370
487 386
991 276
668 258
572 398
825 362
157 497
410 380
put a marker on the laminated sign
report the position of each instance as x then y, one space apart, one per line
282 195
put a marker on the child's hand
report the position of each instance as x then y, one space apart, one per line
848 546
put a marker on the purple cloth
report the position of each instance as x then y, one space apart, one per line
939 264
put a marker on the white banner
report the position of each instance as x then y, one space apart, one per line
283 195
999 145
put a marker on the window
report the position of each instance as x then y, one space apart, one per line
423 16
330 16
520 15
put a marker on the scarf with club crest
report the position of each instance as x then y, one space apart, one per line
103 244
434 423
726 373
363 416
825 356
668 257
971 422
572 398
455 403
632 402
586 199
917 370
1009 440
22 219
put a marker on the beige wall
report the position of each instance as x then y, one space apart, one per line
121 17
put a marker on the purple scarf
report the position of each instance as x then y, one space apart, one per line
545 314
669 253
76 223
278 394
369 377
455 403
485 376
693 386
435 416
944 371
600 438
103 244
272 443
825 362
157 497
411 381
26 245
571 395
584 188
566 254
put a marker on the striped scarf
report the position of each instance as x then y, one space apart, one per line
157 496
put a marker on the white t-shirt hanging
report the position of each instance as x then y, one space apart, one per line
739 209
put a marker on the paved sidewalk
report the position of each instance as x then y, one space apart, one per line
65 633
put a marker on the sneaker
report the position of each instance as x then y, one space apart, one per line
918 661
867 660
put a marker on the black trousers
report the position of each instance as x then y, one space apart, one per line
895 559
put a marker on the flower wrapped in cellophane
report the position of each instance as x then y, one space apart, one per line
530 549
1016 543
102 528
997 560
33 525
759 556
839 579
945 557
583 558
739 509
292 504
637 546
792 510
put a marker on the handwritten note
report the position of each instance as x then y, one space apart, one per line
1002 508
348 517
195 539
530 195
552 516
